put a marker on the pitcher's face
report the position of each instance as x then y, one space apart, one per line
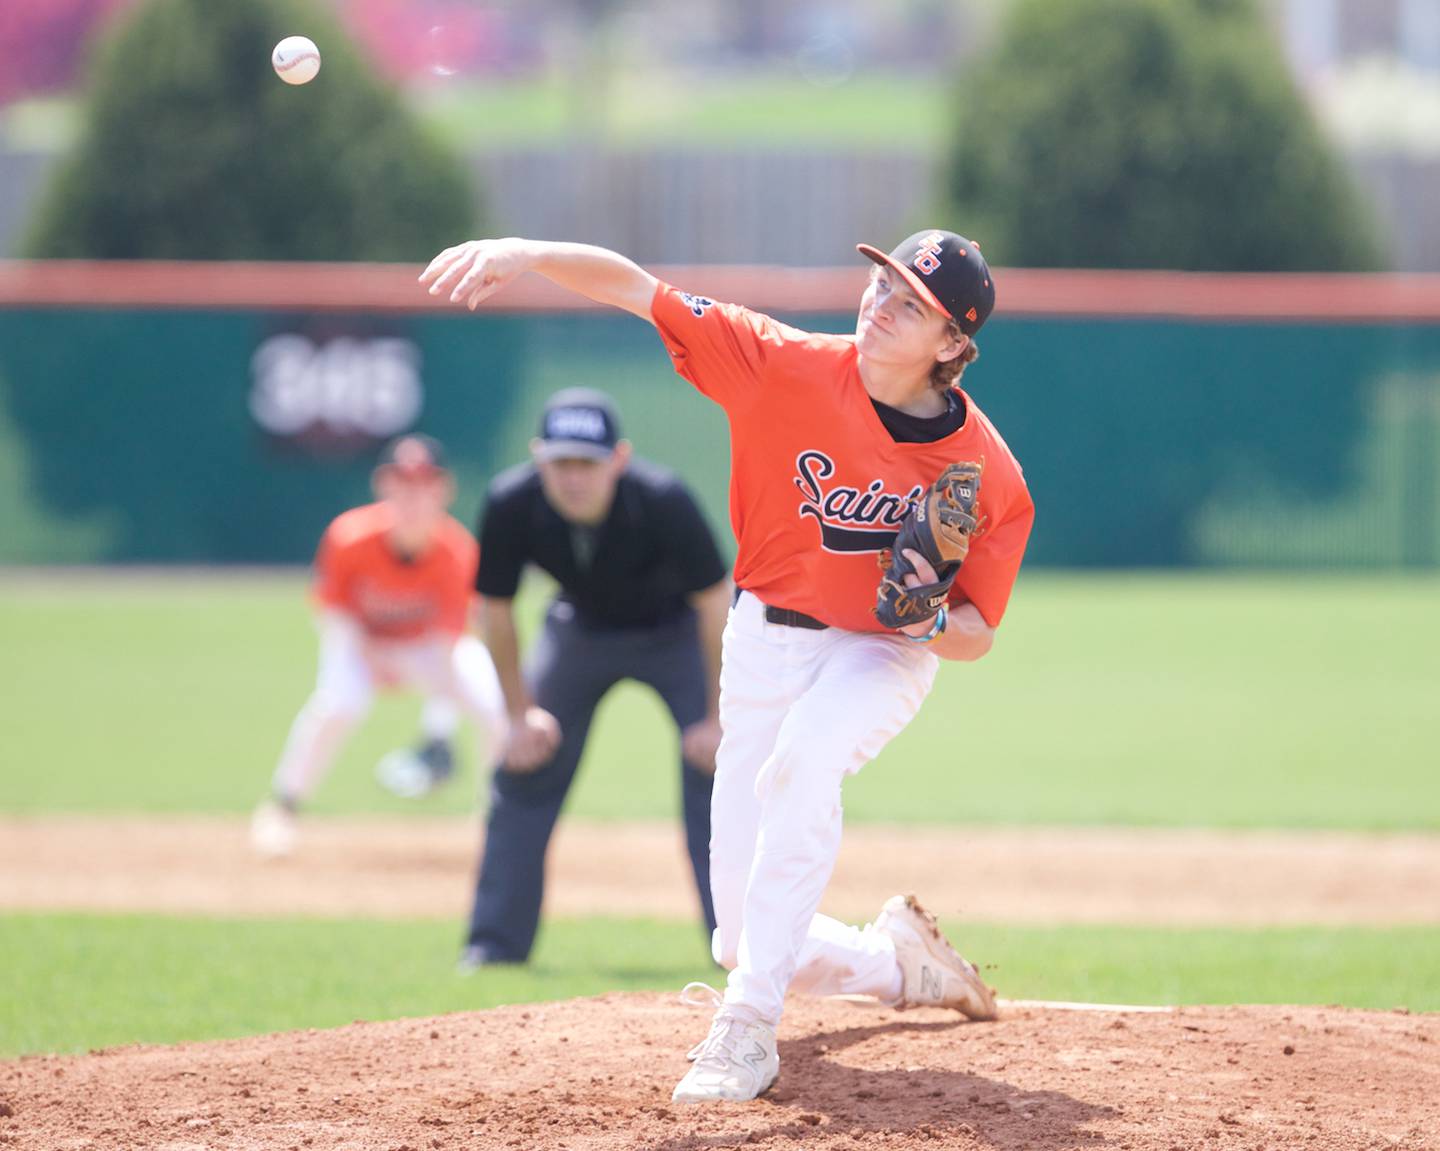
895 326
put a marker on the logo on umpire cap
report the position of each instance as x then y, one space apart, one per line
576 424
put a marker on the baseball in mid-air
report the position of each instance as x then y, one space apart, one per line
296 59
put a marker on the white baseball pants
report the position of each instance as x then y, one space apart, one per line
454 677
801 710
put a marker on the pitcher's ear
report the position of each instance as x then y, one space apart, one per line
955 348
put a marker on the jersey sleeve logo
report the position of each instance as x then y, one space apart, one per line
851 519
697 304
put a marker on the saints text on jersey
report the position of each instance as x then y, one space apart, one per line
851 519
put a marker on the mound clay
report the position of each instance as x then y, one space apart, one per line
597 1073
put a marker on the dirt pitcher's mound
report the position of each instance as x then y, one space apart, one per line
597 1073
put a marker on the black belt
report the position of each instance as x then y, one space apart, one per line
787 618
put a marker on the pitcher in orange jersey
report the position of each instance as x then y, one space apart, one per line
832 439
393 589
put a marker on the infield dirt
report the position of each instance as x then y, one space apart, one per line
597 1073
424 867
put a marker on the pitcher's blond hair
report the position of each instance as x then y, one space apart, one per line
944 374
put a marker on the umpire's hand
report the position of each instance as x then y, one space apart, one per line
699 742
533 740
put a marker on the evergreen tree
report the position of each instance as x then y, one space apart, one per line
194 149
1149 134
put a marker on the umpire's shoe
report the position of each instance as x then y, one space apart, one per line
478 955
934 974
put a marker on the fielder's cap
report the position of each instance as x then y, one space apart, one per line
579 423
413 456
947 271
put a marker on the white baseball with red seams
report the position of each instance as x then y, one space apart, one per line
296 59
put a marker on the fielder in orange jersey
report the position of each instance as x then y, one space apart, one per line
849 454
393 592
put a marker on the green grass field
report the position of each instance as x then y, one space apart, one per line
1195 700
1149 699
83 982
651 106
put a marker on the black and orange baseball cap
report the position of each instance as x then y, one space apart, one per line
414 457
947 271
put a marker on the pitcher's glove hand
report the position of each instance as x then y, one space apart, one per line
938 527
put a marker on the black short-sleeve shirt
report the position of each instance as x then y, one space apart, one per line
636 569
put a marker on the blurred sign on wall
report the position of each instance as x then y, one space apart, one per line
335 396
233 434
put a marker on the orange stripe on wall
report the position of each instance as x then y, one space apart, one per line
1023 291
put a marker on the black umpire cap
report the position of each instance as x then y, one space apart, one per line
947 271
579 423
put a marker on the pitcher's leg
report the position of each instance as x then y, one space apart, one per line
754 697
838 959
868 689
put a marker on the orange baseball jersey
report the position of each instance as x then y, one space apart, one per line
357 572
817 485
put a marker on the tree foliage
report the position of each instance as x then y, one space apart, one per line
194 149
1149 134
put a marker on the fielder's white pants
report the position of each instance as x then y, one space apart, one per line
455 677
801 710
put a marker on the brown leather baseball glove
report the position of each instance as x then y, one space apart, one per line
938 527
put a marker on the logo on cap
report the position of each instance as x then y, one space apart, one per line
927 259
576 424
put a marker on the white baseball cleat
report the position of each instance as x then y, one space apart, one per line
736 1062
696 994
272 830
934 974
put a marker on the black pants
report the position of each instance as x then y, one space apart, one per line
568 672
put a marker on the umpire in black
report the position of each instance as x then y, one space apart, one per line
643 595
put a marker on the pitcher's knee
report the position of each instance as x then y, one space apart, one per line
725 949
817 758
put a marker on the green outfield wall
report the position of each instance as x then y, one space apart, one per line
232 434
